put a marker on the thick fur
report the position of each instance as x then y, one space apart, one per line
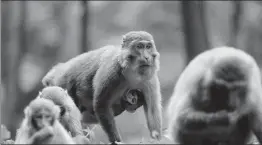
71 117
54 133
195 119
98 79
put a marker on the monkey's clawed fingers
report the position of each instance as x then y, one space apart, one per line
155 135
116 142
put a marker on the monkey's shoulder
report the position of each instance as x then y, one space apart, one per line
90 62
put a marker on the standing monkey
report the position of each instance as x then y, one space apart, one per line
99 78
217 99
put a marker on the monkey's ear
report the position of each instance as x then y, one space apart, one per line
123 38
123 41
27 112
57 111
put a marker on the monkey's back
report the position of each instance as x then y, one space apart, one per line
78 78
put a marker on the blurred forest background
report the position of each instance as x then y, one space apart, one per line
38 34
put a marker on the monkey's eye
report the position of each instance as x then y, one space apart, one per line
133 93
140 46
48 117
149 46
38 117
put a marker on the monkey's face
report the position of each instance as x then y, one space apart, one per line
41 112
223 95
143 57
133 101
42 118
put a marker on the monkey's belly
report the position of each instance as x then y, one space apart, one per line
89 116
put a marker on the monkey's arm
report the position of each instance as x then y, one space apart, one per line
195 120
255 97
88 117
74 125
153 107
256 126
256 119
107 83
206 124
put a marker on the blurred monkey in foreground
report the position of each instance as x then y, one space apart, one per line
70 116
97 81
41 125
217 99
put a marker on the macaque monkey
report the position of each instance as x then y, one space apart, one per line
133 100
217 99
70 116
41 125
97 81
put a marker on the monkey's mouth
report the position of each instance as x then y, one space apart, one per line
145 65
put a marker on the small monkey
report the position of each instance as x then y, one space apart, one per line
217 99
41 125
133 100
70 116
98 79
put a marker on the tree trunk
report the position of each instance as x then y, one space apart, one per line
193 19
12 61
235 25
84 27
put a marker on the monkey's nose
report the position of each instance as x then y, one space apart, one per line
146 58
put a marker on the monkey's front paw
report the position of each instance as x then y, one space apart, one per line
80 139
156 135
116 142
9 142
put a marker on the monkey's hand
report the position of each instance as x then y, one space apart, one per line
220 118
155 135
43 134
116 142
80 139
8 142
153 108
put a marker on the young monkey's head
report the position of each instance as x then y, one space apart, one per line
41 113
